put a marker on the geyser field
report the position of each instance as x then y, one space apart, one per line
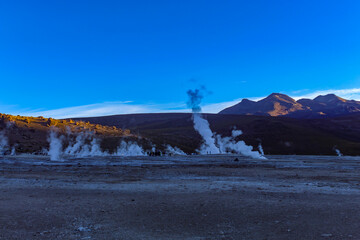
180 197
179 176
180 120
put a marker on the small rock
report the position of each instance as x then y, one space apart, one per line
236 160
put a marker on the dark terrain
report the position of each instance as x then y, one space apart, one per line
278 135
180 197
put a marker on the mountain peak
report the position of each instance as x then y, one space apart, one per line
245 100
328 98
279 97
276 104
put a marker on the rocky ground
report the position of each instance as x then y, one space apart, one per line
180 197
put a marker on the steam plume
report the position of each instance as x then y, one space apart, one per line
4 143
13 151
129 149
338 152
261 150
85 144
174 150
230 145
194 100
56 145
214 144
201 125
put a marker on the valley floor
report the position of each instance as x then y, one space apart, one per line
180 197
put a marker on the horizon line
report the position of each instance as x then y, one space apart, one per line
129 107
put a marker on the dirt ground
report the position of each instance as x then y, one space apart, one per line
181 197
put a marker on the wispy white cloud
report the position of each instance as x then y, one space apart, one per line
217 107
105 109
128 107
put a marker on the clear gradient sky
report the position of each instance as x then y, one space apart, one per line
107 57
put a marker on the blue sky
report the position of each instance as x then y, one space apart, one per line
65 58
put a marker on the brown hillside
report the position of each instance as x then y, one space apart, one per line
29 134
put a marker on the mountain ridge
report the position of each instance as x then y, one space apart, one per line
278 104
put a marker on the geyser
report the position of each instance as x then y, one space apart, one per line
55 145
201 125
85 144
230 145
4 143
174 150
338 153
261 150
129 149
215 144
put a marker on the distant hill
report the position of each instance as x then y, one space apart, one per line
278 104
277 135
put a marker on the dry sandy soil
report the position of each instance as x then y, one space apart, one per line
181 197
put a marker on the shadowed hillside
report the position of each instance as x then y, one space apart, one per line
277 135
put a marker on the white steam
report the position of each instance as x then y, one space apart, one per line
55 147
174 150
261 150
95 148
235 133
338 152
201 125
129 149
4 142
85 144
13 151
215 144
230 145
